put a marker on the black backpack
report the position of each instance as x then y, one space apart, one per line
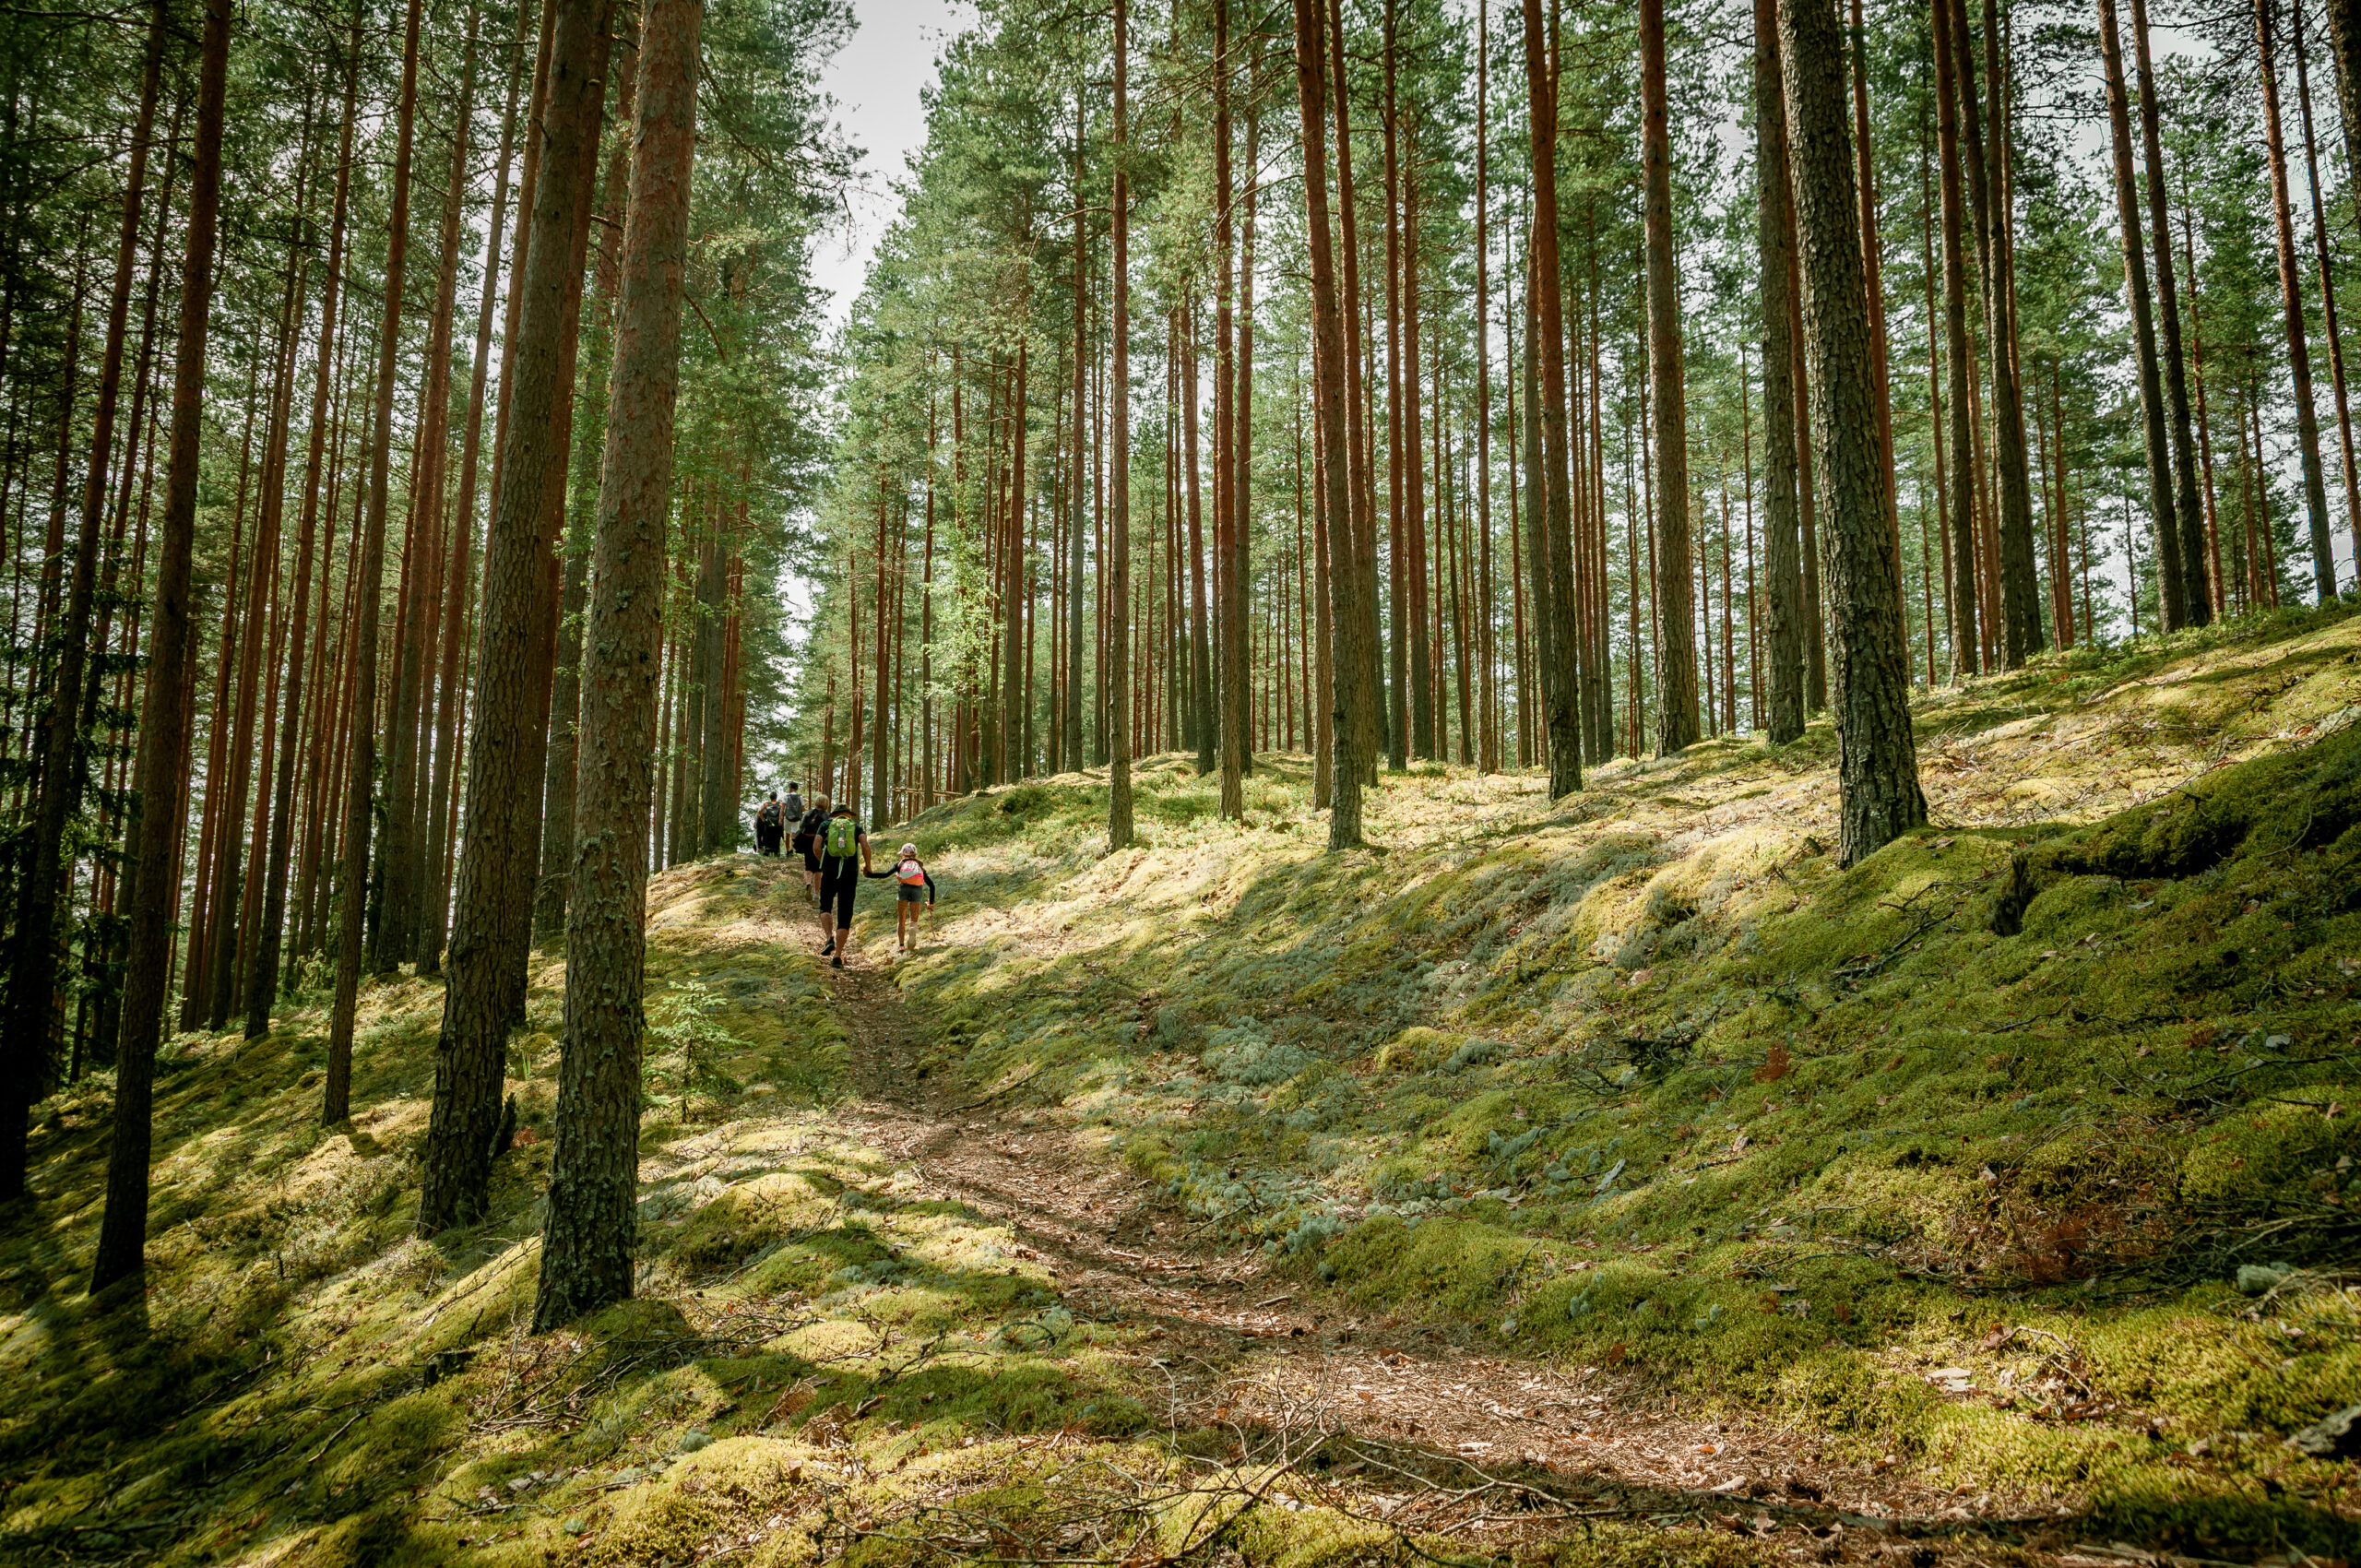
810 822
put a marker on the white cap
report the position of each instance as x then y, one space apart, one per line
911 851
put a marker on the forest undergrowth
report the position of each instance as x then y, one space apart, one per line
2015 1162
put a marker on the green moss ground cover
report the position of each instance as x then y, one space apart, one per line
1953 1160
1642 1079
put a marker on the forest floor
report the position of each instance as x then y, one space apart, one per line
1606 1182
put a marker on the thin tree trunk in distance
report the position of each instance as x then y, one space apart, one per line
1960 589
2197 595
492 907
261 985
162 773
2020 614
2162 499
1783 541
1550 524
1118 696
35 951
362 761
1877 760
1346 663
588 1243
2328 297
1676 618
2291 299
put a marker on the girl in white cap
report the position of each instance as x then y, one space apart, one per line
913 883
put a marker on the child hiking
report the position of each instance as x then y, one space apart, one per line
843 844
914 895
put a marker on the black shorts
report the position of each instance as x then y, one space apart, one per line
804 846
839 880
910 893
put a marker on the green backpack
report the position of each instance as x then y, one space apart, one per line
843 838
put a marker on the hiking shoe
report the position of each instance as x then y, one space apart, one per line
828 949
837 962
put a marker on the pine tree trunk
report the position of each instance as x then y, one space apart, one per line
35 952
1237 692
1676 617
1783 541
2197 593
162 775
2344 49
2291 298
435 897
1961 587
2329 324
1118 694
2163 498
587 1242
1549 509
492 916
262 984
1330 408
362 761
1877 760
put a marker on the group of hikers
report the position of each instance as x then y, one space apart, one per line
833 843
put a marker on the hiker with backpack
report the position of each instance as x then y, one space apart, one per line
913 883
844 861
769 824
807 844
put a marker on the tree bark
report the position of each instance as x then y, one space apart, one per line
1783 541
1676 616
588 1243
2195 580
2020 617
1877 759
1118 696
2329 326
1550 524
2163 498
162 772
2291 298
35 951
1346 663
492 911
362 761
1961 594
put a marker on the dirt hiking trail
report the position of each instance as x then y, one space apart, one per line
1473 1443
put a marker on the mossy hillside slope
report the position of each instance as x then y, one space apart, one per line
1641 1076
305 1382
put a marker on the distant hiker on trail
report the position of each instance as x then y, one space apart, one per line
769 824
844 861
914 883
807 844
792 808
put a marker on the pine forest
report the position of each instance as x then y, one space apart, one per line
1626 752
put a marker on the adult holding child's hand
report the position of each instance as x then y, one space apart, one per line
843 850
